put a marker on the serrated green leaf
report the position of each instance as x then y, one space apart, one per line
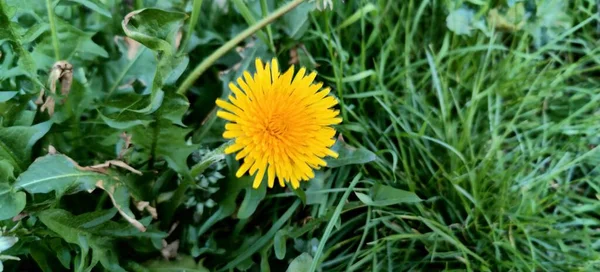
126 119
301 263
173 108
56 173
349 155
76 47
8 33
69 227
34 32
177 71
154 28
136 62
16 143
182 263
157 29
166 141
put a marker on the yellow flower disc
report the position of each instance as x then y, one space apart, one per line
281 124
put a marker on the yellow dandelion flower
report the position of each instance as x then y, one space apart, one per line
281 124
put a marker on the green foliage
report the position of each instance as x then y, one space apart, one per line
468 142
16 143
56 173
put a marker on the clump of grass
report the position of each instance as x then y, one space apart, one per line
499 136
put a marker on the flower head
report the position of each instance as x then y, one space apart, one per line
280 123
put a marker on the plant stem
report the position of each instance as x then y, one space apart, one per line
197 8
265 10
203 66
53 29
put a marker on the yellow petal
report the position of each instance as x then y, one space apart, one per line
227 116
258 178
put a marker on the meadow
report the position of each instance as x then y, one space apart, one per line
451 135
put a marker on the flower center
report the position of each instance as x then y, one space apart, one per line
276 125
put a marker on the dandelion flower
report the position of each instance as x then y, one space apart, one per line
280 123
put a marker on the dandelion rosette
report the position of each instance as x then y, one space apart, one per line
280 123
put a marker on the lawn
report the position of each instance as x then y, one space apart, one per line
448 135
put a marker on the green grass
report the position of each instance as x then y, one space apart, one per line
498 137
496 132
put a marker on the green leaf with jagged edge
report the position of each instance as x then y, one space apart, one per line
154 28
136 63
8 33
16 143
126 119
95 231
157 30
120 111
76 46
56 173
73 230
166 141
62 175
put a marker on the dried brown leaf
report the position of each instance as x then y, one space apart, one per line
104 166
178 39
49 105
169 250
110 191
132 47
293 56
62 71
19 216
127 138
145 205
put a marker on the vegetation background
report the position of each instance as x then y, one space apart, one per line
469 139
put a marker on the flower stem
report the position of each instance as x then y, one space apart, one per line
53 29
203 66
